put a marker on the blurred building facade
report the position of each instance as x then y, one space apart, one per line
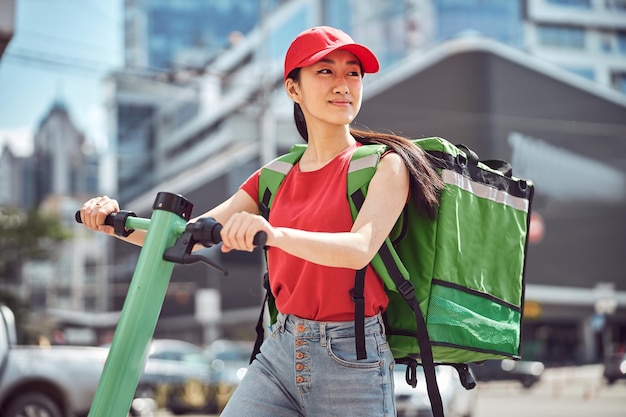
520 97
64 163
160 35
62 171
587 37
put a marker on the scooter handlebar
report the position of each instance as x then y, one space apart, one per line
205 231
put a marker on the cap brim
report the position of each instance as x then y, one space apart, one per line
368 60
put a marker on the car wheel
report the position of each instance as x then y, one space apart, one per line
144 403
528 382
32 404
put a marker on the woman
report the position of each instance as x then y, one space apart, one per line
308 366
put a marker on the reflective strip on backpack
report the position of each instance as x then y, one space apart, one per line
279 166
369 161
484 191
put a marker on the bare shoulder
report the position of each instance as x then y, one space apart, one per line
391 177
392 164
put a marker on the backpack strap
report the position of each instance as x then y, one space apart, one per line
270 178
273 174
388 265
361 170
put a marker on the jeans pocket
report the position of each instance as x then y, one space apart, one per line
343 351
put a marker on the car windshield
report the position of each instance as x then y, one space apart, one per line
230 351
176 350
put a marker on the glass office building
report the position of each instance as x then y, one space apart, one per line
162 34
497 19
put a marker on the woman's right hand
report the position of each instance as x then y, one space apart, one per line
94 212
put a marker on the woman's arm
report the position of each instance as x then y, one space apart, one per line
387 194
239 202
94 212
386 197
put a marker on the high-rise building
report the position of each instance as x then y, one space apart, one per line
587 37
499 20
65 164
62 171
161 35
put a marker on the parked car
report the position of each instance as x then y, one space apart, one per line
178 376
61 381
53 381
410 402
526 372
229 363
615 368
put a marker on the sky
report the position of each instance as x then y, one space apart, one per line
61 51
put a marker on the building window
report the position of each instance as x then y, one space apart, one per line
561 36
606 43
621 42
497 19
584 4
619 5
618 81
587 73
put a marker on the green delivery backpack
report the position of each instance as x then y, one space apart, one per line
455 284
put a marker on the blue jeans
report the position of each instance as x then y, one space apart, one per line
308 368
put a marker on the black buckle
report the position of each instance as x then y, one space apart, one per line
406 289
356 298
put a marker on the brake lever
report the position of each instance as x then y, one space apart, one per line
205 231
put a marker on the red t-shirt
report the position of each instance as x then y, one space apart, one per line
316 201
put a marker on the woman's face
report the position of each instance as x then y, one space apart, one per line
329 91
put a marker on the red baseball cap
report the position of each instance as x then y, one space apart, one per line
314 44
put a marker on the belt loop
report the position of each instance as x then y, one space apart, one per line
323 334
381 321
282 319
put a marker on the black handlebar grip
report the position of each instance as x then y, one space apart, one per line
109 220
207 232
117 220
260 239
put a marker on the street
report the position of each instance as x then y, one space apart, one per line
567 392
562 392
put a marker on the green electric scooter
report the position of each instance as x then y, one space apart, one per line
169 240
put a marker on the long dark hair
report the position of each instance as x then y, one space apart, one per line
425 182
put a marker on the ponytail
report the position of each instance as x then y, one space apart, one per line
425 182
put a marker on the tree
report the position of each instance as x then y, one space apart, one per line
24 236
